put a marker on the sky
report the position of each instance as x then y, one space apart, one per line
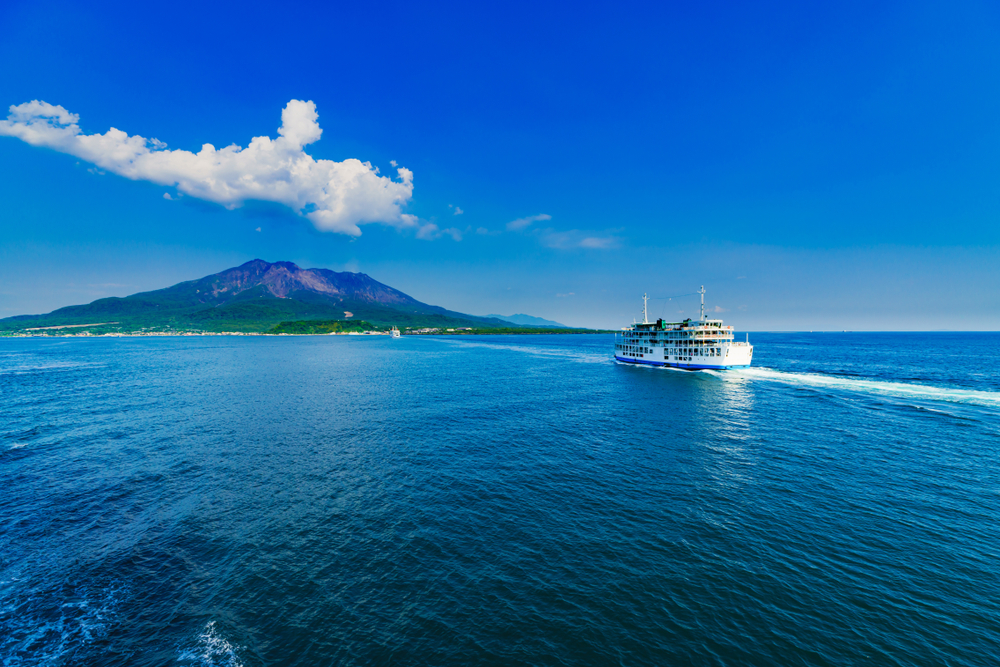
814 167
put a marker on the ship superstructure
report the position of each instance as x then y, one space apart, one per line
691 344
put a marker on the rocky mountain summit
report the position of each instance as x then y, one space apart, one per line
286 280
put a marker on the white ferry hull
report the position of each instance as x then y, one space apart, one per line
683 365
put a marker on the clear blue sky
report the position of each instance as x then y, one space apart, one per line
832 167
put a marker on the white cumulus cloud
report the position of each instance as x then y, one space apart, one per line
335 196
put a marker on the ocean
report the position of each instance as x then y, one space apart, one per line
508 500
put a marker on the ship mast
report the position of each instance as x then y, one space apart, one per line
702 292
645 318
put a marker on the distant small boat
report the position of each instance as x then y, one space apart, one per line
395 332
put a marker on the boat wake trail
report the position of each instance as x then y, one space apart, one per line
571 354
50 625
888 389
43 367
211 649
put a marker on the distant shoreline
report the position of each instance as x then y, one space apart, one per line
189 334
541 331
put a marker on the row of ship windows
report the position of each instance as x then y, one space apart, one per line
714 338
677 334
698 343
700 352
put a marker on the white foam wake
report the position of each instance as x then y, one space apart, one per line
211 650
46 627
571 354
42 367
893 389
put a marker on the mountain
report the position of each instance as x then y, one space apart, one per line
255 297
528 320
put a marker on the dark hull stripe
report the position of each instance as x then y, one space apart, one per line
681 365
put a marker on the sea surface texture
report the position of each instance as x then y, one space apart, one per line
522 500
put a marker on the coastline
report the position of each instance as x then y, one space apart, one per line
149 334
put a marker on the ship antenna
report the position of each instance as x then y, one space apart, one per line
702 303
645 318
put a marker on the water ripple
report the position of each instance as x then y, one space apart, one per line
358 500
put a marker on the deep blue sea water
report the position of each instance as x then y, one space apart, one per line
519 500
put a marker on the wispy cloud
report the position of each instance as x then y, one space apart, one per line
458 210
598 242
430 231
573 238
576 238
522 223
566 294
719 309
334 196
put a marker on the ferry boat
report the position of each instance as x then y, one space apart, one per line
689 344
395 332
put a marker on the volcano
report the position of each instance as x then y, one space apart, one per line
256 296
